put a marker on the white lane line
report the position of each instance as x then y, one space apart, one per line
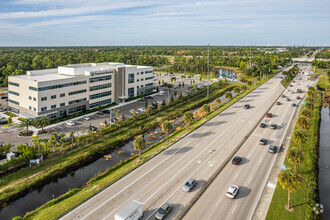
234 209
250 180
236 175
260 160
218 202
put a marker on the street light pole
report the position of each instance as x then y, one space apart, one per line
208 70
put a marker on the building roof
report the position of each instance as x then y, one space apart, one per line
44 77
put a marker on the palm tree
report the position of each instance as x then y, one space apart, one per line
42 121
206 108
309 106
236 90
139 144
310 99
46 142
290 181
299 137
188 117
302 123
26 123
295 157
228 95
118 115
53 140
62 140
72 135
36 142
167 128
310 93
306 113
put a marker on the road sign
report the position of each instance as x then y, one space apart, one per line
303 103
283 166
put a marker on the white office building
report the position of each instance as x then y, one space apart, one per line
76 87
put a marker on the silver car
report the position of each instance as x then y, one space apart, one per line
163 211
189 185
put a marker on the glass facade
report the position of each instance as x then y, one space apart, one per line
103 86
13 93
14 102
77 92
99 95
103 102
77 109
13 84
53 97
99 79
131 92
131 78
77 101
59 86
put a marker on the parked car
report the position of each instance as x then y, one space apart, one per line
273 126
263 141
163 211
287 99
247 106
269 115
131 111
149 97
236 160
93 128
278 103
282 96
113 119
141 109
70 123
189 185
106 111
232 191
262 125
272 149
87 118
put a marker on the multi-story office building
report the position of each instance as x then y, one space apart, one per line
76 87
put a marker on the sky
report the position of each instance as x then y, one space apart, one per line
164 22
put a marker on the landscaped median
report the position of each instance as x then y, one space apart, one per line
59 206
302 153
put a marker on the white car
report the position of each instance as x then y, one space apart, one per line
232 191
131 111
141 109
70 123
160 102
87 118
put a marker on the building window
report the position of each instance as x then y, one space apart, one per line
77 92
149 78
34 99
62 113
151 71
33 88
103 86
138 87
138 80
137 73
131 78
149 84
43 98
148 90
137 93
103 102
53 106
141 73
44 109
30 98
131 92
14 102
99 95
141 86
53 97
13 84
34 109
13 93
141 80
30 107
52 116
62 104
59 86
77 109
77 101
98 79
62 94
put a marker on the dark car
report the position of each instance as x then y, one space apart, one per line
269 115
93 128
282 96
293 105
263 141
272 149
236 160
298 97
143 99
149 97
163 211
106 111
247 106
273 126
262 125
113 119
287 99
278 103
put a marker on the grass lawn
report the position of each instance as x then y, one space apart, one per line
300 198
317 71
56 208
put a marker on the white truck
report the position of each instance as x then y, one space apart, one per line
132 211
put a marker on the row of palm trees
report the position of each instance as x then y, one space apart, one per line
42 122
289 179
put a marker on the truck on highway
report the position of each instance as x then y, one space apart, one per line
132 211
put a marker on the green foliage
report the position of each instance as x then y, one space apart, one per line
167 128
188 117
228 95
139 144
9 120
26 124
206 108
295 157
290 181
42 122
302 123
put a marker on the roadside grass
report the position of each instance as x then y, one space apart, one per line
302 198
317 71
59 206
323 83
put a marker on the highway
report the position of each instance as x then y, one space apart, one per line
252 173
200 155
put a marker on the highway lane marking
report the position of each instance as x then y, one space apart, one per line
218 202
236 175
260 160
234 209
250 180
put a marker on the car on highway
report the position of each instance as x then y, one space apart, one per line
287 99
263 141
189 185
293 105
87 118
236 160
269 115
273 126
232 191
272 149
278 103
298 97
282 96
246 106
163 211
70 123
262 125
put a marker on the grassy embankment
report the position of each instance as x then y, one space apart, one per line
59 206
304 199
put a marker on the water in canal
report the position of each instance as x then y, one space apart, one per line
226 74
324 162
79 177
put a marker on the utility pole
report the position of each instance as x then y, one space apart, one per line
208 70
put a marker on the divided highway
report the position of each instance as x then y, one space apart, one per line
199 155
252 173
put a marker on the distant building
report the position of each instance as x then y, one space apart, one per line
76 87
